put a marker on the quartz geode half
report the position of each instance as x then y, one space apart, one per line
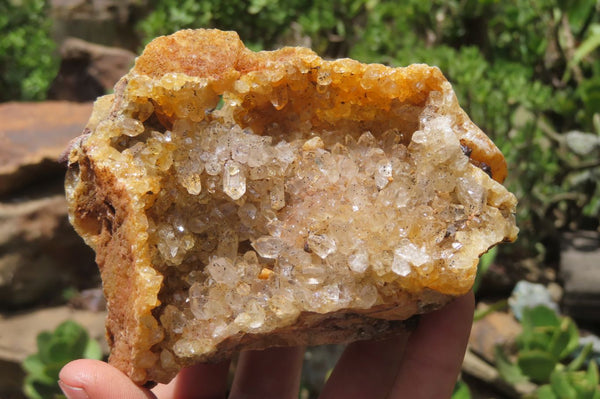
243 200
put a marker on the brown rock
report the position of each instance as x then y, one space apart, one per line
32 137
40 254
88 70
497 328
107 22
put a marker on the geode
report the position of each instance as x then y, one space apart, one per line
240 200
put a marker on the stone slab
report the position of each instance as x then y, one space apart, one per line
580 272
32 137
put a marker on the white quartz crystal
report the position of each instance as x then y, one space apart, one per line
234 181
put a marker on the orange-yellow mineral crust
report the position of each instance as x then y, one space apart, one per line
243 200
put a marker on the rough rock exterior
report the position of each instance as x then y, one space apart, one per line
243 200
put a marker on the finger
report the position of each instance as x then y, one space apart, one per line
435 352
201 381
272 373
366 369
94 379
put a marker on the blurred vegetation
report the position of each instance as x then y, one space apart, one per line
27 61
259 22
548 355
69 341
526 71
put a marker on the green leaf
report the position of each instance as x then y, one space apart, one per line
536 364
578 12
68 342
581 358
256 6
560 340
587 46
573 342
92 350
36 389
52 371
43 343
33 365
509 371
561 386
545 392
461 391
541 338
592 373
30 389
564 339
543 316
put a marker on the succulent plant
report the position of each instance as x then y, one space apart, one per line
546 342
69 341
566 384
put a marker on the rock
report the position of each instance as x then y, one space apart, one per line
32 137
89 299
88 70
580 272
40 254
106 22
322 202
497 328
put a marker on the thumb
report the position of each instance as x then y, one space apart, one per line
93 379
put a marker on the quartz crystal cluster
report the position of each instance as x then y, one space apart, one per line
242 200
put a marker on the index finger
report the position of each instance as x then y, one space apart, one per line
435 352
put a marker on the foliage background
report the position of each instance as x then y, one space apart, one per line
27 61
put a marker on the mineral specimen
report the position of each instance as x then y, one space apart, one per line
242 200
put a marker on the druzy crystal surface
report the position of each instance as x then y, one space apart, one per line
239 199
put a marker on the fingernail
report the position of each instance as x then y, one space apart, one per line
72 392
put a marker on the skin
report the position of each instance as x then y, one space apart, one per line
423 364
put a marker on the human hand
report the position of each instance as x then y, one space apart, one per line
423 364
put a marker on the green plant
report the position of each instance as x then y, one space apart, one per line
69 341
565 384
461 391
259 22
27 61
545 344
